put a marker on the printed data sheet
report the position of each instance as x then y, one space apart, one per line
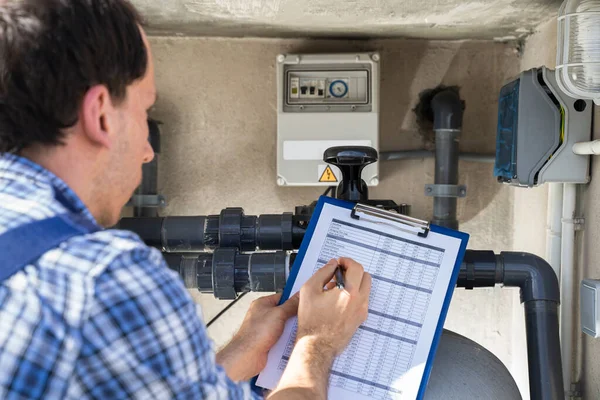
387 356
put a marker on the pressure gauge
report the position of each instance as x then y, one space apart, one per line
338 88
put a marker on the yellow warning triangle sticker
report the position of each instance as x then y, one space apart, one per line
328 176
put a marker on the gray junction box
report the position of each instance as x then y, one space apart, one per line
538 124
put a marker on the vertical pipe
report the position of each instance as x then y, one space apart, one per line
541 326
567 283
540 295
446 173
554 226
447 110
149 186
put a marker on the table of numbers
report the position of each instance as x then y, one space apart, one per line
404 274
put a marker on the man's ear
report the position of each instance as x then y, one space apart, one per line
97 115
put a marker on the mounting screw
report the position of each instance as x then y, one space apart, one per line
281 181
375 57
302 107
353 108
280 58
429 190
463 192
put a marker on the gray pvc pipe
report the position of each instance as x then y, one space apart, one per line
535 277
532 274
543 347
149 184
420 154
447 110
540 294
446 173
447 123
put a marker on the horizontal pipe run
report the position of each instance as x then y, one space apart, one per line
420 154
194 234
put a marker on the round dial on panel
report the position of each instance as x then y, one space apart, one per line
338 88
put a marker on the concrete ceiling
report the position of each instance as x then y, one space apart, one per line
430 19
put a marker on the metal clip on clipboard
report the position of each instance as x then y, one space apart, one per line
398 221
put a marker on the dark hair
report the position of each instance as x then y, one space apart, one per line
52 52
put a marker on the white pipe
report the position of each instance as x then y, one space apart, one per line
567 281
587 148
554 226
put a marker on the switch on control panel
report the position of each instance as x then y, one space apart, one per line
323 87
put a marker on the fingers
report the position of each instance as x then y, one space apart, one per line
290 307
322 276
330 285
365 284
354 273
272 299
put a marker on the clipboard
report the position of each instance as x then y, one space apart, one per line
403 223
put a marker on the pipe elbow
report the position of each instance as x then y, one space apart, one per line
532 274
447 110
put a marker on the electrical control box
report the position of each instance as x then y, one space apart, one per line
323 101
538 124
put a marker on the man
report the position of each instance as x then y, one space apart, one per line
87 312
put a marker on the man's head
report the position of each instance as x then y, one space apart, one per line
76 81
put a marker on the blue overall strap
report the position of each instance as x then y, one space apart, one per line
23 245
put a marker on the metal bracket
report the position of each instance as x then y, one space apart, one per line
147 200
575 392
579 224
437 190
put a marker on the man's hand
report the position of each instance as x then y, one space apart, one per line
331 316
327 320
246 355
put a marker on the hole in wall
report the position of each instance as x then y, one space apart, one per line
424 113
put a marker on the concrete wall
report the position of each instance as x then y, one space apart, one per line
430 19
217 103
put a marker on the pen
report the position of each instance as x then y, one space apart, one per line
339 278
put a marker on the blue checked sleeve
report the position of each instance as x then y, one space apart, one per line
144 339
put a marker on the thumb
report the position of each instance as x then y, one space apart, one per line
290 307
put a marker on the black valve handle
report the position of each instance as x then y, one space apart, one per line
351 160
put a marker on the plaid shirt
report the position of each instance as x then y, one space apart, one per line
101 316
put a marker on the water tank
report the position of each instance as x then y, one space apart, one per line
465 370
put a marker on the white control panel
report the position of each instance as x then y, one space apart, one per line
325 100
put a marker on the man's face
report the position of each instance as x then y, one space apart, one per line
131 147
